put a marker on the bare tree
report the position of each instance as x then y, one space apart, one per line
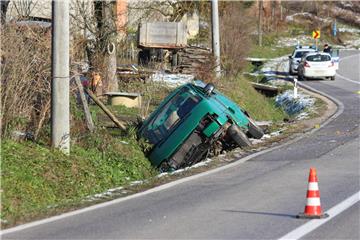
171 10
106 29
235 26
24 8
96 21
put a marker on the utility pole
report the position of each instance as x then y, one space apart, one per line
260 22
216 36
60 123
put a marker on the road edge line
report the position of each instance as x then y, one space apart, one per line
314 224
339 104
345 78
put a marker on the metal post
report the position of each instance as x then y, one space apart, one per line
60 123
216 36
174 59
295 88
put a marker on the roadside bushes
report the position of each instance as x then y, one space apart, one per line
235 28
26 81
25 78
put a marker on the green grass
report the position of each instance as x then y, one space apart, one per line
121 112
121 109
270 52
268 48
36 179
240 90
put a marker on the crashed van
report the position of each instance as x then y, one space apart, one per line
192 121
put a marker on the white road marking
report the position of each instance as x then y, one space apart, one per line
345 78
314 224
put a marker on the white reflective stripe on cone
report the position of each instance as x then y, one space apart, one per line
313 186
313 202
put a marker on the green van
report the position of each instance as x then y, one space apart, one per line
190 122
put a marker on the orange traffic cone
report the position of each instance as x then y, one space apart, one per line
313 206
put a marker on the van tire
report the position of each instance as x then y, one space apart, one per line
238 136
165 167
254 130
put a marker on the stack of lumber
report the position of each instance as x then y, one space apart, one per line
193 58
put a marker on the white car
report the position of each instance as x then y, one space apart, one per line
296 56
316 65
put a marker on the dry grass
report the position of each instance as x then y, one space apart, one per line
235 27
25 78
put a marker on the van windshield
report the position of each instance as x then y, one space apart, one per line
172 113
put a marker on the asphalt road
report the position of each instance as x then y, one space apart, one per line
257 199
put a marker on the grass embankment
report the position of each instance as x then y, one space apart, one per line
269 48
257 105
37 180
270 52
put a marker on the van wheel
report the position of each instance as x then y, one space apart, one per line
165 167
254 130
238 136
332 78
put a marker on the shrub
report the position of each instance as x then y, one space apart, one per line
235 26
25 78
